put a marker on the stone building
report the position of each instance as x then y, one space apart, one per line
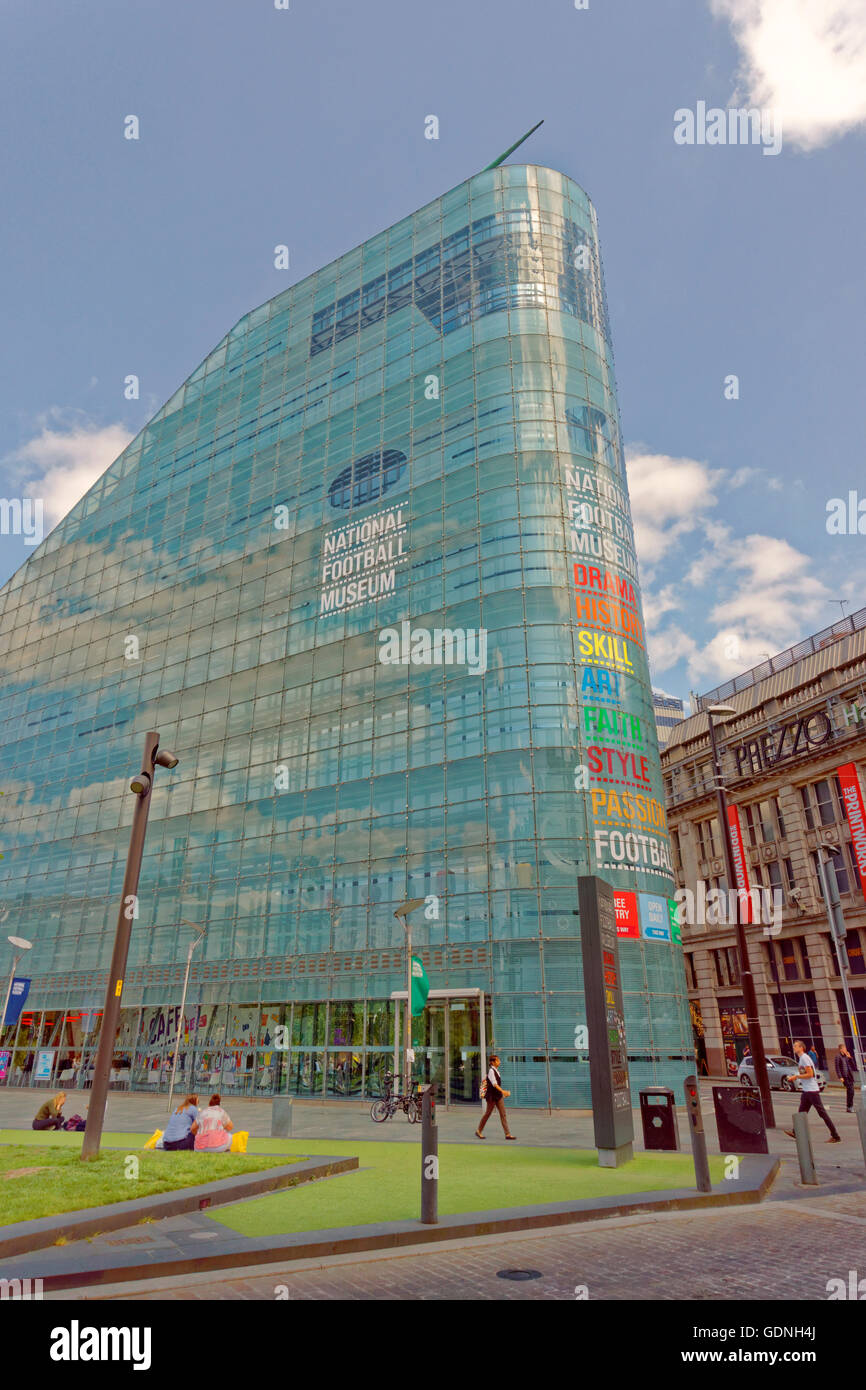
800 718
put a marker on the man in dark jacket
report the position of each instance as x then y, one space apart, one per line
846 1071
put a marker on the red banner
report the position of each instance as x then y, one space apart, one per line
852 799
740 867
625 908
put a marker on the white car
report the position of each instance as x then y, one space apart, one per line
782 1072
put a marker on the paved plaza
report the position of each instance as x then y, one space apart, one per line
788 1246
350 1119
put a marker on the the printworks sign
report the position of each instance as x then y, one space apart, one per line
602 986
852 799
738 854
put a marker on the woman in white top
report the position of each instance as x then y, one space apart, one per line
495 1097
214 1129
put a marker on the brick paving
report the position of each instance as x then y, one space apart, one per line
781 1251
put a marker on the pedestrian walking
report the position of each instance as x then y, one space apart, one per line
846 1071
493 1093
810 1097
814 1055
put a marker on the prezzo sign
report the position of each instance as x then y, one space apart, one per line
797 736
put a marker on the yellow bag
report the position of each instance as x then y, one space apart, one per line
239 1142
151 1143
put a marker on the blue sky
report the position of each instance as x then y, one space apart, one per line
305 126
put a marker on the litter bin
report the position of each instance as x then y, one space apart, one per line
281 1117
659 1118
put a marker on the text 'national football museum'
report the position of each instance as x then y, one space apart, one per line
371 575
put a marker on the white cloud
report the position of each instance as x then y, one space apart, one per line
669 498
805 59
63 461
774 601
741 597
668 646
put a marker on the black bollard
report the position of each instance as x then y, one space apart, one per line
429 1159
703 1182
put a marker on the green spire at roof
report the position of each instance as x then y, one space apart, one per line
511 148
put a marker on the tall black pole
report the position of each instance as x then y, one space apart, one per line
756 1040
114 989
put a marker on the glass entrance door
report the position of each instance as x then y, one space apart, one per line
430 1055
446 1040
464 1037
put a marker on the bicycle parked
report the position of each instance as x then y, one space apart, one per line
390 1103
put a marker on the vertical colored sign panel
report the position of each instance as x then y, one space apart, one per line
627 918
852 799
44 1064
17 999
674 915
655 924
602 985
741 871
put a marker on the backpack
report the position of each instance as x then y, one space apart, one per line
75 1122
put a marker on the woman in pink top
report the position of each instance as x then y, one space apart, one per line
214 1129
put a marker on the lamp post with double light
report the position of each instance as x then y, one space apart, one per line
756 1039
142 786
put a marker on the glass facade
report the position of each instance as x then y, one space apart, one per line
370 573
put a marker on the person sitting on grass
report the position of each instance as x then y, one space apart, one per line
182 1127
48 1115
214 1129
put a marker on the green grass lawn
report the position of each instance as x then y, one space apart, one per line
134 1143
64 1183
388 1183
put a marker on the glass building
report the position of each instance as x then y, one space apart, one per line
669 712
370 573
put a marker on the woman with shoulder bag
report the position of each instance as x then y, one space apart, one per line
493 1093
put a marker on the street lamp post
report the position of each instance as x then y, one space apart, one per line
20 945
756 1040
142 786
200 931
830 894
403 913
